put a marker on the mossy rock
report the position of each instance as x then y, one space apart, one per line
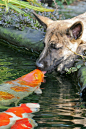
28 38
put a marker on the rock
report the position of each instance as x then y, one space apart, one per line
28 38
74 10
82 81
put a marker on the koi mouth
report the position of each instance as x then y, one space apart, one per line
44 72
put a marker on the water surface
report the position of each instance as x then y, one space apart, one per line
61 106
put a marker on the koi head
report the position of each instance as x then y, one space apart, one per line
33 78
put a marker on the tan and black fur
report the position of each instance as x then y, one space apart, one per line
63 38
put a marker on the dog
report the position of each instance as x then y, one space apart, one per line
64 42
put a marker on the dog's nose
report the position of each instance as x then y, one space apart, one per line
39 65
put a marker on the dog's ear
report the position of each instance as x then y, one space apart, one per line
44 21
75 31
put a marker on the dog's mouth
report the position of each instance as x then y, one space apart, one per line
50 66
55 65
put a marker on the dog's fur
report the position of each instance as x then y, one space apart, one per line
63 39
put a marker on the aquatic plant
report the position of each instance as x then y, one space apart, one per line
18 6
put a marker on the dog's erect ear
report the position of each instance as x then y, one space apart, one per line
44 21
75 31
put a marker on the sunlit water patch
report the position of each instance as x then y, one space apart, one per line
14 64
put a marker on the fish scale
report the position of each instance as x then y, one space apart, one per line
15 90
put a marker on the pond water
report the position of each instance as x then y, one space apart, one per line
61 106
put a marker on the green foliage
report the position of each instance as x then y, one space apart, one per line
73 69
67 1
61 2
18 5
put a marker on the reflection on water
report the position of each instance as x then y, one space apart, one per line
60 104
13 64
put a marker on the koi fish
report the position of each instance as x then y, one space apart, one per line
13 91
19 117
22 124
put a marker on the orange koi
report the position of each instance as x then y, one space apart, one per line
13 91
32 79
19 116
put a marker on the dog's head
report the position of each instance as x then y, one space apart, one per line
60 44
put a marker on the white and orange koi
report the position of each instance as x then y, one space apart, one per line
22 124
19 117
13 91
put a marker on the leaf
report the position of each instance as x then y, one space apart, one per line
17 9
2 2
78 66
34 2
26 5
73 69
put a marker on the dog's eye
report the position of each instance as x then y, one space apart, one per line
53 46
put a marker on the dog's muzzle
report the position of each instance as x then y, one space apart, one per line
39 65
